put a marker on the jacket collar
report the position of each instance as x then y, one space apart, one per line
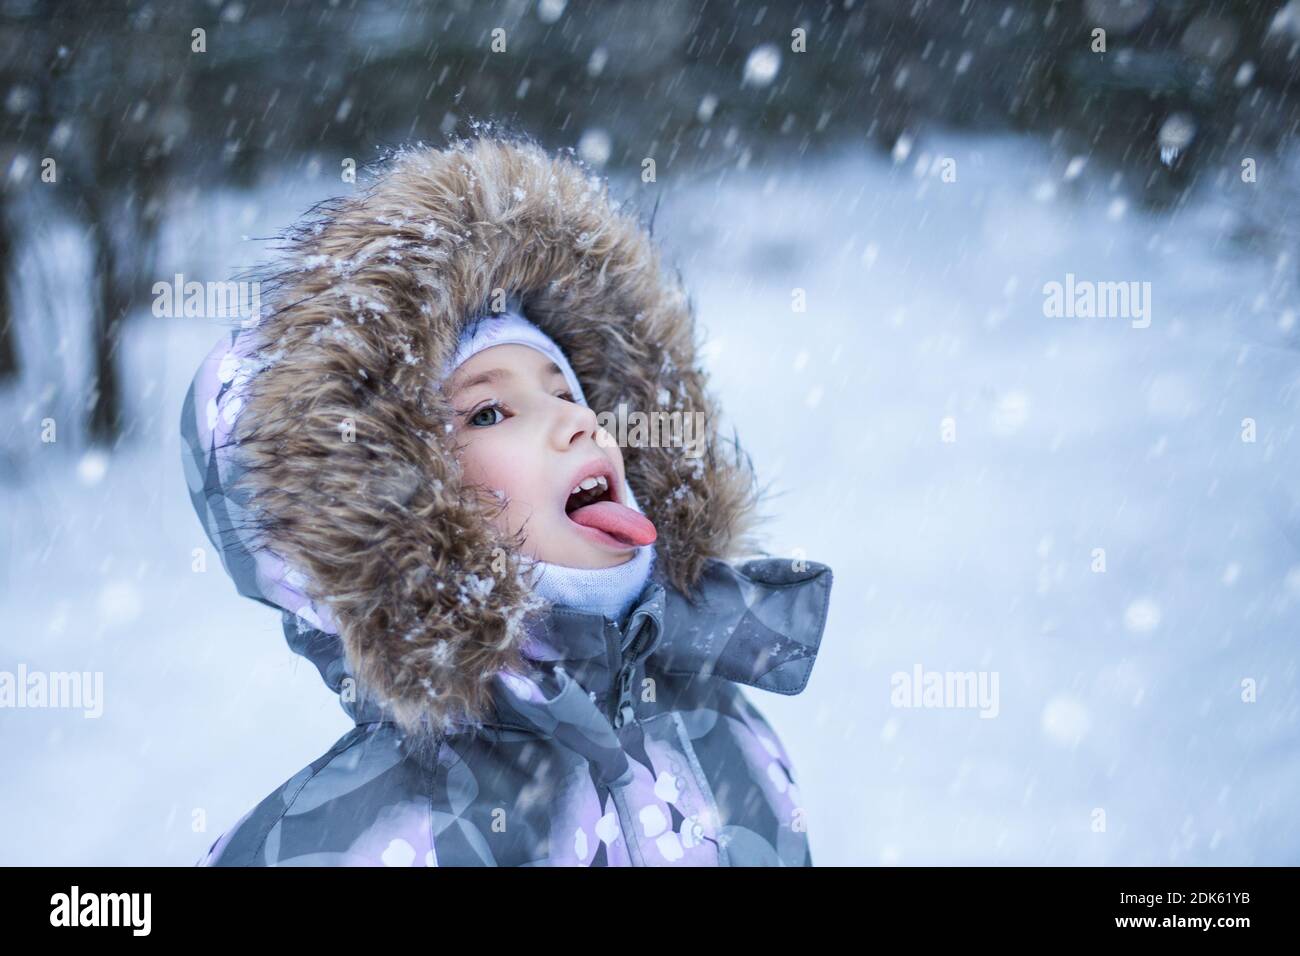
759 624
592 648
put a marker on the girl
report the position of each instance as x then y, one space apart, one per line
537 633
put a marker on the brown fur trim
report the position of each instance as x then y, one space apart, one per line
351 475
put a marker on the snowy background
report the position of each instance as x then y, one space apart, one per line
1118 691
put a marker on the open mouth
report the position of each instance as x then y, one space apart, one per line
595 504
588 492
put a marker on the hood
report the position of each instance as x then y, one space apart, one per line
316 445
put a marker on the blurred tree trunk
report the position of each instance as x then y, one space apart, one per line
105 400
124 239
8 346
110 305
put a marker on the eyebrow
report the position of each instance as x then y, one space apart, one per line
496 374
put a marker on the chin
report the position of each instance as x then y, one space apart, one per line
611 561
592 560
582 554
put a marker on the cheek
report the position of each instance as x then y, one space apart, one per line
496 464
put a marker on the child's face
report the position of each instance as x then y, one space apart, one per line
519 432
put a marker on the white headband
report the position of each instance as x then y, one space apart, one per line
510 328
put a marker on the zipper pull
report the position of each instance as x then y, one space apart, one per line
626 712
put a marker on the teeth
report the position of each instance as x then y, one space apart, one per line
588 483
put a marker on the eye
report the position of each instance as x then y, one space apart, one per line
485 416
566 395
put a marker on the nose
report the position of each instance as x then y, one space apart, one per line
574 423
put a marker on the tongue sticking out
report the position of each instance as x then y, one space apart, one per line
628 526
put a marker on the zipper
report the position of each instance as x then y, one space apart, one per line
624 711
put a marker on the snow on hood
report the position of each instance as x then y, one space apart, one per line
373 536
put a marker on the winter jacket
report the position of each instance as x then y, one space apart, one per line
491 729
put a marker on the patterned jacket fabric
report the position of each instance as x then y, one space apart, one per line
695 777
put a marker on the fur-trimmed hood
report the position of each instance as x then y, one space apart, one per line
317 445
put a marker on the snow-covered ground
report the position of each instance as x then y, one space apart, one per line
1121 735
